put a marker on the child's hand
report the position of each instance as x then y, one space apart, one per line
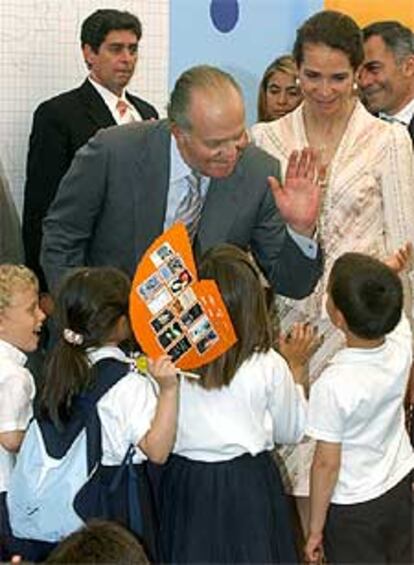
399 260
164 372
314 549
298 346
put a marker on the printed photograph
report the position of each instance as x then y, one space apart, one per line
162 320
150 287
179 349
206 342
170 335
200 329
192 315
181 282
160 301
162 254
175 264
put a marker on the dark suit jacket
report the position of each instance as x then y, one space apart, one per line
411 129
60 127
111 205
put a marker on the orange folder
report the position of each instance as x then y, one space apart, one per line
174 313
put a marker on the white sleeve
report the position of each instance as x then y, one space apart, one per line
16 395
126 412
286 402
325 421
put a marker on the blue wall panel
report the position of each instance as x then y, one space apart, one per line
264 30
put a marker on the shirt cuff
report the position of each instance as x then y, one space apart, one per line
309 247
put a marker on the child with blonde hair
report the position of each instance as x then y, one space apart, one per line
20 323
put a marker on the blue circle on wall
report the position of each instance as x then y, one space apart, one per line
224 14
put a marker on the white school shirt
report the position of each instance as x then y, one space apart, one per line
125 411
261 406
17 390
358 402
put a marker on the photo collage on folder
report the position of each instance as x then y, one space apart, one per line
178 319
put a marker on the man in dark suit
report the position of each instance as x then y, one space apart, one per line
386 78
128 184
109 40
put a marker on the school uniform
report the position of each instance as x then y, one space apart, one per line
125 414
222 499
358 402
17 390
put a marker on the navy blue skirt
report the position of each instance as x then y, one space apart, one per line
227 512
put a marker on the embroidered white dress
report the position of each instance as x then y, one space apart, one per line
367 206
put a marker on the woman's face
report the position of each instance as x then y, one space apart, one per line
282 95
326 79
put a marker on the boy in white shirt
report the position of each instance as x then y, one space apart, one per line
360 489
20 323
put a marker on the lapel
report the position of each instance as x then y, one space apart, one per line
152 173
224 197
411 129
95 107
136 104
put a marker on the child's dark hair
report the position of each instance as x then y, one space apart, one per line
89 304
99 542
367 293
245 299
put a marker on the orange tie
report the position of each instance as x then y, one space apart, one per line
122 107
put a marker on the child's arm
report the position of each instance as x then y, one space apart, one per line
159 440
11 441
297 347
324 475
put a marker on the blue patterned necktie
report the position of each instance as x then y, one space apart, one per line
189 209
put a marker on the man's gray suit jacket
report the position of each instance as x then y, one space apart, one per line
111 205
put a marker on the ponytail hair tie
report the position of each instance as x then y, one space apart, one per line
72 337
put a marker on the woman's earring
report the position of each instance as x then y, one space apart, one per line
355 87
297 82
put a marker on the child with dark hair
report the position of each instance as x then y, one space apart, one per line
222 500
100 541
360 480
92 313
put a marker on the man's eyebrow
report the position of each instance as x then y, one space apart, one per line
121 43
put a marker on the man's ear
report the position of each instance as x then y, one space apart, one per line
88 55
408 66
177 132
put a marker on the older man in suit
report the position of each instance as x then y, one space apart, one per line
129 184
386 78
109 40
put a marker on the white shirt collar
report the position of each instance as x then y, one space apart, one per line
13 353
109 97
179 168
95 354
404 116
